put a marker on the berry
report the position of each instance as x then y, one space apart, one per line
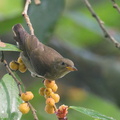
22 68
14 65
49 109
24 108
19 60
63 107
49 83
62 111
50 101
54 88
27 96
46 96
41 91
48 92
56 97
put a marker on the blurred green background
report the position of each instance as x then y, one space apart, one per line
68 27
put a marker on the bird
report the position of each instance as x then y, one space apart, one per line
41 60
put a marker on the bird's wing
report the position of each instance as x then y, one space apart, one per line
41 56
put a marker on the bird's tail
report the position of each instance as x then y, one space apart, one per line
20 35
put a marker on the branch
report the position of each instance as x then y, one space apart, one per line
33 111
116 6
24 13
12 74
100 22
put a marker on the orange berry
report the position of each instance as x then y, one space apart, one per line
54 88
19 60
49 109
24 108
50 101
22 68
41 91
14 65
27 96
48 91
56 97
49 83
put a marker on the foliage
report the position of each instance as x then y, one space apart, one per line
9 99
91 113
9 47
10 12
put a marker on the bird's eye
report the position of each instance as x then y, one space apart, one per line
62 63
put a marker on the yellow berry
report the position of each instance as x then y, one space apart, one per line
46 96
27 96
19 60
14 65
41 91
49 83
50 101
49 109
54 88
22 68
48 91
56 97
24 108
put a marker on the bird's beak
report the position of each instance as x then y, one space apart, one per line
71 68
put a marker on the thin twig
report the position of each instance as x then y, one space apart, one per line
33 111
116 6
2 59
24 13
55 108
14 77
100 22
37 2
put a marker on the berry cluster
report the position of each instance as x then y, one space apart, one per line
51 97
48 92
24 107
18 65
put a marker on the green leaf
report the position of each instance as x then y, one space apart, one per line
8 47
91 113
10 14
9 99
7 24
9 9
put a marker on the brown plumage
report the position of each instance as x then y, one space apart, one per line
41 60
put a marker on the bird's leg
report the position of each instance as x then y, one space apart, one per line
35 75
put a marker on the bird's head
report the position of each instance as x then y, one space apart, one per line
62 66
